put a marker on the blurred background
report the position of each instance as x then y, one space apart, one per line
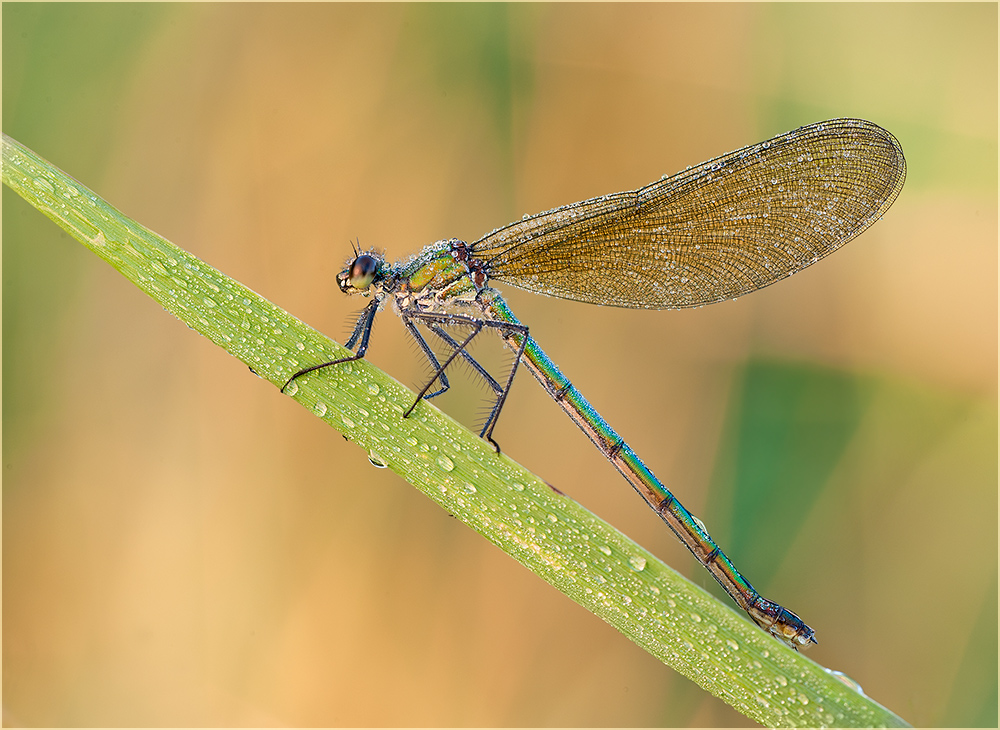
184 546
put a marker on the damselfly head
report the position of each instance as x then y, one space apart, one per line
359 274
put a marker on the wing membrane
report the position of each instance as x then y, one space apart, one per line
724 228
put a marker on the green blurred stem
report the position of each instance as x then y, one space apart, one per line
545 531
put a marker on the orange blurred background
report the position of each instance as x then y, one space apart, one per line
184 546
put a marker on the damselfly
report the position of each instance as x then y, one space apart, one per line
716 231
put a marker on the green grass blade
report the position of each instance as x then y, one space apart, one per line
550 534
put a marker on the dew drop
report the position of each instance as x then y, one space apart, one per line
517 487
445 463
376 460
373 388
292 388
847 680
637 562
320 409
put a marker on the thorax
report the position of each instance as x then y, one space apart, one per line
440 278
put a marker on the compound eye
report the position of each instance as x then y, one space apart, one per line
363 271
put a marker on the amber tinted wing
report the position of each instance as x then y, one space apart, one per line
727 227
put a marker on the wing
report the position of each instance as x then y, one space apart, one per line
725 228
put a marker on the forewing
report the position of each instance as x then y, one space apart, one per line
727 227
